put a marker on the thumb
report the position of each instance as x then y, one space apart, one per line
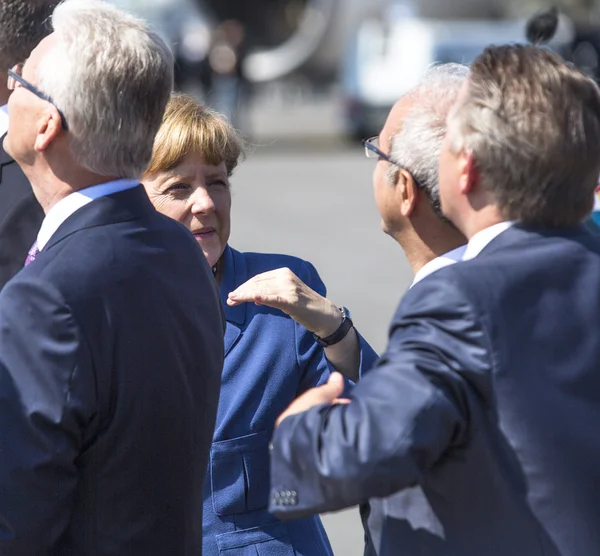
334 387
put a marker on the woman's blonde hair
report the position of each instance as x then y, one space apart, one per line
191 127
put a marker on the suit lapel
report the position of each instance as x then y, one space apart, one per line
234 273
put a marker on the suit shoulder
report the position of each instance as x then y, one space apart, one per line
442 292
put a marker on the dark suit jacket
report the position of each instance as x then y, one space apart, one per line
20 217
476 434
111 350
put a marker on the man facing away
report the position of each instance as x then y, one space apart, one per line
486 394
111 338
406 183
22 27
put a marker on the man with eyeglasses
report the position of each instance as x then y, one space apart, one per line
111 336
22 26
406 178
407 195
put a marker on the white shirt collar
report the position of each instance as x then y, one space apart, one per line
73 202
3 119
481 239
439 262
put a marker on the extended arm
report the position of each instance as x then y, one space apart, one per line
304 301
403 416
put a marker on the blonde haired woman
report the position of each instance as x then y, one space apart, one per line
270 358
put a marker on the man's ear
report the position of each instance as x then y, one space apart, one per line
407 190
49 128
469 173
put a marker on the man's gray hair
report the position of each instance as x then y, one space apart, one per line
416 146
111 75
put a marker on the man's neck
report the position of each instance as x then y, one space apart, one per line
422 246
49 189
477 221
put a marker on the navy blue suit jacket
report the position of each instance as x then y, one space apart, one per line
476 433
111 350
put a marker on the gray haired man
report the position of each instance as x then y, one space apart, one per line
406 179
111 337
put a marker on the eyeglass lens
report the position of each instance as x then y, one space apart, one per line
373 152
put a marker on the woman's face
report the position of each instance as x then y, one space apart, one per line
197 195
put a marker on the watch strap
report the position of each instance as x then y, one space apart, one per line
339 334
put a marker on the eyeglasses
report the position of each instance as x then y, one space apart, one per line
372 150
15 75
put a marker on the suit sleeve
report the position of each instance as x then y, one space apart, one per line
313 363
405 414
45 401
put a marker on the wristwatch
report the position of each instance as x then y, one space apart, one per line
340 333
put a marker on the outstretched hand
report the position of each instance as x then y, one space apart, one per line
283 290
329 393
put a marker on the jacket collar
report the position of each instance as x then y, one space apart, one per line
118 207
233 274
520 233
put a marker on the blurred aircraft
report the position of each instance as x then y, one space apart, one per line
312 36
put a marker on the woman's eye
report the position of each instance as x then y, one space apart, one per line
218 183
176 188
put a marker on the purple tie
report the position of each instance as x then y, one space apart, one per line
33 253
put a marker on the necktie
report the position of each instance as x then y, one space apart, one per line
33 253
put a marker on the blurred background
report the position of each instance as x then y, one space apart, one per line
304 80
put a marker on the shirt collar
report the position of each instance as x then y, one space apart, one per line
3 119
439 262
482 238
73 202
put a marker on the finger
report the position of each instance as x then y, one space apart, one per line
247 292
341 401
333 389
269 276
276 279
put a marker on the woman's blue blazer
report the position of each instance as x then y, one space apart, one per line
269 361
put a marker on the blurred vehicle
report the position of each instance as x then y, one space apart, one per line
386 59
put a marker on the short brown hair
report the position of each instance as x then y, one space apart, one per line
189 126
532 123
